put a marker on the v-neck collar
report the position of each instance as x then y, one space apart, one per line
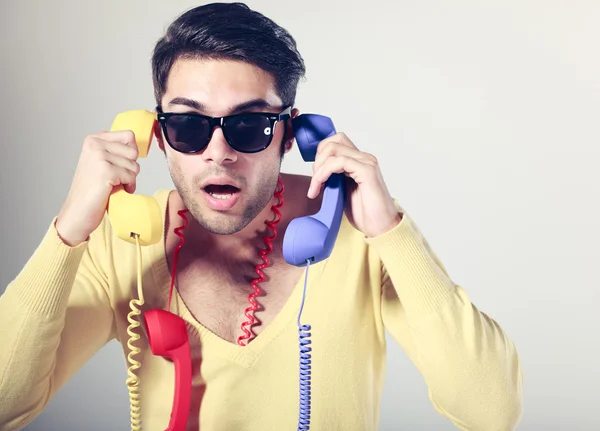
247 355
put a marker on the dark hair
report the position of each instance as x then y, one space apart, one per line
230 31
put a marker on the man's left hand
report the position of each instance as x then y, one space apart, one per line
369 206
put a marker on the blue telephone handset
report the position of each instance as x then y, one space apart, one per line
310 239
313 237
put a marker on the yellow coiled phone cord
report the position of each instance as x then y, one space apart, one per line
133 381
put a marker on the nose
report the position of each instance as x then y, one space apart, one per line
218 150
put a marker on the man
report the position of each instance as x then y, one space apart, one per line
73 296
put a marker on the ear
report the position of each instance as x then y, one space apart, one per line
158 135
288 139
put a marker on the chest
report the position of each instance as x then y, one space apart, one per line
218 297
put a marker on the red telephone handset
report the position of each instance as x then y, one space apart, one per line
137 219
168 338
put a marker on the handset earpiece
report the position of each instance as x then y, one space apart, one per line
167 336
133 213
313 237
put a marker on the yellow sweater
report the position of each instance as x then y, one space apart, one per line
68 302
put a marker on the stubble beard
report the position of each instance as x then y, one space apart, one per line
255 201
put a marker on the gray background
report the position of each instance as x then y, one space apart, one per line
484 116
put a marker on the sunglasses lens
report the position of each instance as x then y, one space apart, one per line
248 133
187 133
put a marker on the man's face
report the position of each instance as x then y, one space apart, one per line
218 87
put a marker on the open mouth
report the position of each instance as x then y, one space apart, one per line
221 197
221 191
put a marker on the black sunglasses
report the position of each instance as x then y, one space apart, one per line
249 132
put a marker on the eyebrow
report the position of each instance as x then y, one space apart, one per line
250 104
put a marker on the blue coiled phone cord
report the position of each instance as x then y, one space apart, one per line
304 420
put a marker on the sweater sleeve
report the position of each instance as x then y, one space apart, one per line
471 367
53 317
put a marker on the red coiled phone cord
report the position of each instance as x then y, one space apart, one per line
249 311
179 232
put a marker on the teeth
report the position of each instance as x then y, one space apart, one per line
220 196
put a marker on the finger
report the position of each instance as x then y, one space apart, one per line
121 176
118 149
130 188
331 149
349 166
339 138
126 137
122 162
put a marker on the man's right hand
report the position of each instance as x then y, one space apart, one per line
107 160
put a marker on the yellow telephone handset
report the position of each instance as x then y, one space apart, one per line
136 219
133 214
